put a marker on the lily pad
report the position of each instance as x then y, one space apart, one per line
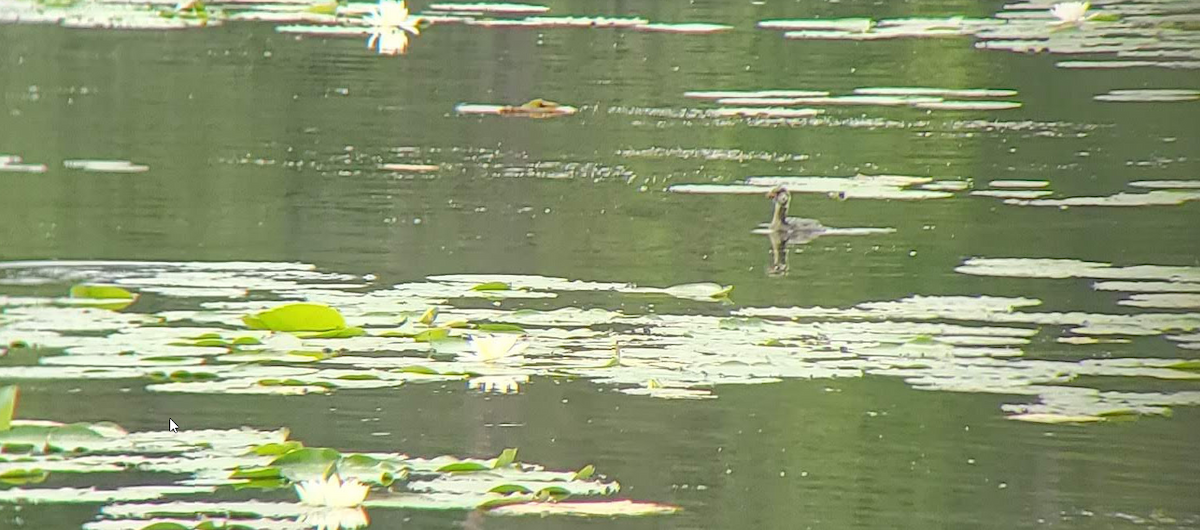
297 317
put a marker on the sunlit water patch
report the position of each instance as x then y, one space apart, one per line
346 335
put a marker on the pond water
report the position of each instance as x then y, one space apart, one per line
998 327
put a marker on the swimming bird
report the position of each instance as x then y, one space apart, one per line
792 229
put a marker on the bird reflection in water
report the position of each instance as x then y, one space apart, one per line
783 230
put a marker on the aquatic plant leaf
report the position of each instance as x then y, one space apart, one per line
940 92
165 525
297 317
499 327
463 467
106 292
24 476
584 473
106 166
509 489
492 286
8 406
428 316
691 28
700 291
342 333
506 458
108 296
257 473
1190 365
506 500
490 7
277 448
586 508
1055 418
306 463
432 335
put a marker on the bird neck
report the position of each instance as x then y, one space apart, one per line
780 214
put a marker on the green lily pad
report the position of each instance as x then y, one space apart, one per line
113 297
463 467
585 473
509 489
257 473
506 458
24 476
499 327
277 449
297 317
100 292
165 526
428 316
307 462
8 405
432 335
492 286
343 333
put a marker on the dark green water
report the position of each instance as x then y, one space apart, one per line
267 147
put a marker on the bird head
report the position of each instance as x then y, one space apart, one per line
779 194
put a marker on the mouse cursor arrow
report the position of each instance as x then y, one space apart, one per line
174 427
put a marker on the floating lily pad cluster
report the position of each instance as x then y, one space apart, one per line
173 480
1125 34
420 332
901 187
14 163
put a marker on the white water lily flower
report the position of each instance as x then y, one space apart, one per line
389 23
281 341
334 518
1070 12
390 42
332 492
491 348
503 384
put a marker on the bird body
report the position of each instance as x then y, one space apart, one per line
791 228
